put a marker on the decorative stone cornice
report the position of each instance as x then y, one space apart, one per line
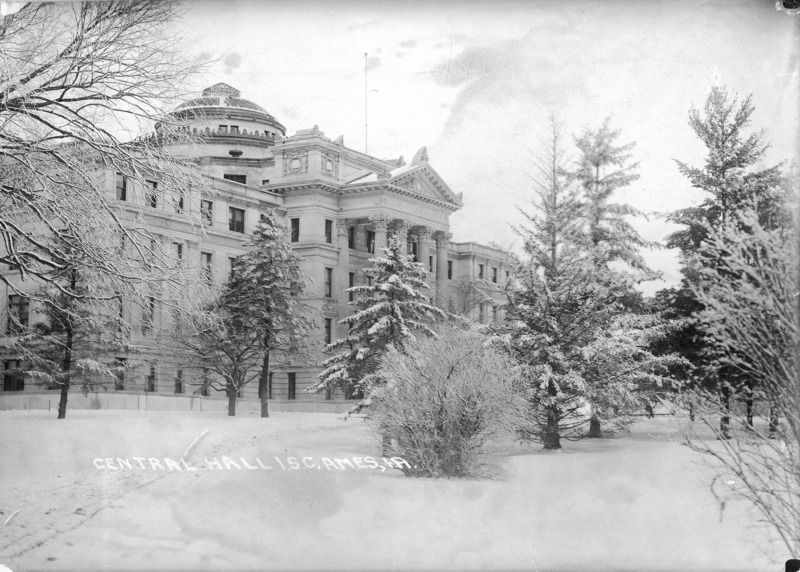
342 224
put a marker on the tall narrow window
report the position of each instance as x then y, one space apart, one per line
414 251
449 269
328 327
119 373
148 316
371 241
13 376
328 392
351 282
122 187
328 282
179 202
295 236
494 274
179 381
292 389
235 219
430 264
508 275
369 280
18 307
178 250
151 193
328 231
151 378
206 261
351 236
207 212
480 271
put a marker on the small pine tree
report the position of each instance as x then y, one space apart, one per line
389 311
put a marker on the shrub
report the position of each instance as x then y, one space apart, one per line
444 400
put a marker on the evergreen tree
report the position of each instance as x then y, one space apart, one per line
389 312
730 185
235 331
603 168
562 302
272 284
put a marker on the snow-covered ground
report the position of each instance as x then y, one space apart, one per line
635 503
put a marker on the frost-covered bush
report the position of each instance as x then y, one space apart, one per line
445 398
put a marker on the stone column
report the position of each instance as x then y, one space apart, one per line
343 274
442 239
424 246
380 222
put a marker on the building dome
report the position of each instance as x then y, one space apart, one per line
223 104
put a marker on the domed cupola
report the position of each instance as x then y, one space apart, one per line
222 116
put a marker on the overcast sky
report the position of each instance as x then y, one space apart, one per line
475 82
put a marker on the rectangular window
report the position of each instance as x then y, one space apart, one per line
122 187
13 376
371 241
329 231
480 271
328 392
351 282
235 219
508 275
369 280
269 385
151 193
206 261
265 181
18 307
328 282
223 129
179 202
179 381
234 130
494 275
292 389
235 178
351 237
148 316
328 326
430 264
151 378
119 373
207 212
414 251
449 269
178 250
295 236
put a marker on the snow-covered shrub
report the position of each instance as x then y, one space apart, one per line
445 398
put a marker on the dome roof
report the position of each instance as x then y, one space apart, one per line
222 95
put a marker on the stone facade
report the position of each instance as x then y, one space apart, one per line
339 207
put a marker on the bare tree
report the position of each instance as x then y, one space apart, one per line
76 81
751 301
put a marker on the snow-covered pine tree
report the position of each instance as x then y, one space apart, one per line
390 310
272 285
562 302
730 185
604 167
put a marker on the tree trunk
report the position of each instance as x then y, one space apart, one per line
725 419
231 400
550 433
773 422
67 363
749 411
594 427
263 384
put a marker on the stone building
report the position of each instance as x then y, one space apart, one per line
339 207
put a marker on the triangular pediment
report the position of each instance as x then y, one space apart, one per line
422 180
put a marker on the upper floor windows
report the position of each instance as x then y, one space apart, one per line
480 271
236 219
207 212
351 237
494 275
328 282
151 193
295 233
18 307
122 187
234 130
328 231
449 269
371 241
